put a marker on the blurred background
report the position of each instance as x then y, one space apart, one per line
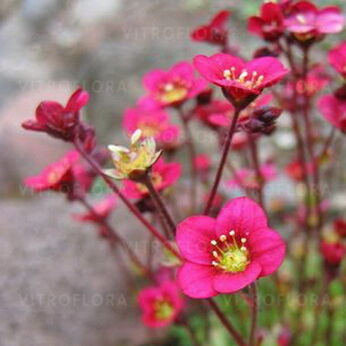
55 282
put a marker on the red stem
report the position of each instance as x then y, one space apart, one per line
226 323
226 148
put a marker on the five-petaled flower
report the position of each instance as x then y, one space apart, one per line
134 162
173 87
160 304
241 81
269 24
58 176
57 120
226 254
334 111
214 32
162 175
307 22
337 58
153 123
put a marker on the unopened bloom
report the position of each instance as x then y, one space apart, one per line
226 254
133 162
161 304
340 227
241 81
333 252
337 58
269 24
57 120
101 210
334 111
162 175
202 163
152 122
58 176
173 87
306 21
214 32
247 178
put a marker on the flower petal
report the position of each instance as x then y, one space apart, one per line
268 249
193 238
196 280
232 282
242 215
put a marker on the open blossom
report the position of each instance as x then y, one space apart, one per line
161 304
306 21
56 119
334 111
241 81
269 24
226 254
133 162
247 178
162 175
58 176
173 87
102 210
214 32
337 58
152 122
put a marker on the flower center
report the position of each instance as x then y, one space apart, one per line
301 19
249 81
173 91
228 255
163 309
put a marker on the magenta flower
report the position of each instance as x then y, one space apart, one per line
173 87
161 304
101 210
163 175
58 176
202 163
226 254
153 123
334 111
306 21
337 58
241 81
57 120
246 178
269 24
214 32
333 252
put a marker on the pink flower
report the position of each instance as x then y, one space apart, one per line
163 175
295 170
240 141
58 176
152 122
161 304
226 254
337 58
173 87
306 21
269 24
334 111
247 178
241 81
101 210
57 120
202 163
214 32
211 112
332 252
